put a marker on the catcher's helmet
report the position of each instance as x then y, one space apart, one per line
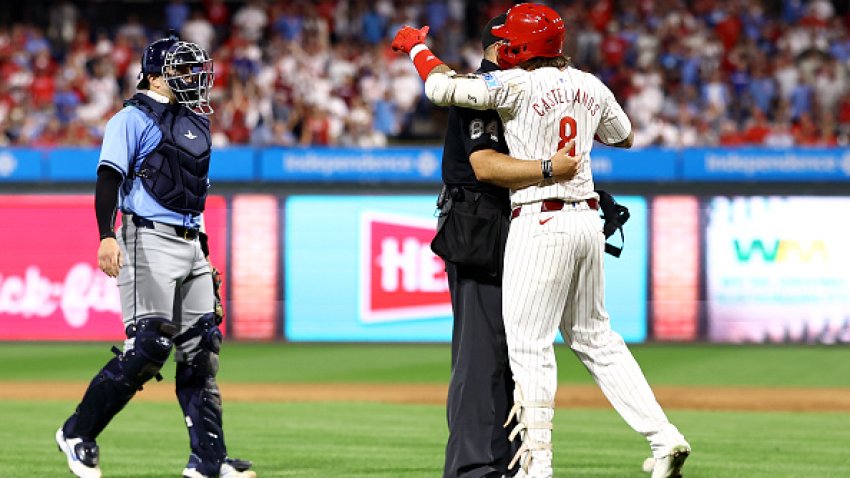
186 68
530 30
153 58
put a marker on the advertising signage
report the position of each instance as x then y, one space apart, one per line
50 285
777 270
360 269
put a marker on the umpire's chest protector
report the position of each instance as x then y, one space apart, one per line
176 172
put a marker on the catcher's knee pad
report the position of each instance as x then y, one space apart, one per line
153 341
208 332
120 379
199 397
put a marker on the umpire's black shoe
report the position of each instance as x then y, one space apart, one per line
83 456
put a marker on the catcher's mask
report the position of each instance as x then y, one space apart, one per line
530 30
188 71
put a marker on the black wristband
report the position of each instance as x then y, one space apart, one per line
108 234
204 240
546 167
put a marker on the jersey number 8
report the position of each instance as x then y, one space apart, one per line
568 132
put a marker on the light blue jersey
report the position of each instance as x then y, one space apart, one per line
129 135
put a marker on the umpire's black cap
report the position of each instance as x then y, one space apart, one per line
487 37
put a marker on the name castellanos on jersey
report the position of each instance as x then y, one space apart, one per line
557 96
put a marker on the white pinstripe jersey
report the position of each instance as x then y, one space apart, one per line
542 110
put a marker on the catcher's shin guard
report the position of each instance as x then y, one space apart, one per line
120 379
199 397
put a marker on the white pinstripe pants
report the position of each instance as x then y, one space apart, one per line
554 280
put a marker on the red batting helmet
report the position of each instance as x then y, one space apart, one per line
531 30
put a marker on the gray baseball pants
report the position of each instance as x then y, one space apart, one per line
164 275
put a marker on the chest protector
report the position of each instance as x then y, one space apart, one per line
176 172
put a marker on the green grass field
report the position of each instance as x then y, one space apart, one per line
399 441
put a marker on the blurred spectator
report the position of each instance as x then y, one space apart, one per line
373 25
62 21
176 14
386 115
251 20
317 127
436 15
758 128
198 29
51 135
133 31
762 88
801 99
827 137
805 133
218 15
320 72
780 136
830 83
65 100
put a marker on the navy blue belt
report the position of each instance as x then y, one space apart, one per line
179 231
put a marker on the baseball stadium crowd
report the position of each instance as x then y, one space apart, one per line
689 72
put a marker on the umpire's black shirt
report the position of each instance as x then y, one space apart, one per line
469 131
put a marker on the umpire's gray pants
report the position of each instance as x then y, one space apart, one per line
165 276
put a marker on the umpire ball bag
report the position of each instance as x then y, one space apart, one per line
472 231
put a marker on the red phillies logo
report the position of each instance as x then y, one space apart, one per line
401 278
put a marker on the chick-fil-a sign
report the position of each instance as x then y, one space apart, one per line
75 296
50 285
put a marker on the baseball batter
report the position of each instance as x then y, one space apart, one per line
553 276
155 159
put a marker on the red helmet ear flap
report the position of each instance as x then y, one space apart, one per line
508 56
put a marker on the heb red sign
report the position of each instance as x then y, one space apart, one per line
50 285
401 279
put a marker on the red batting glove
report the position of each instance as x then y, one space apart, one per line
408 37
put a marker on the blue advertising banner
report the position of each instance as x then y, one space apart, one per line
360 269
20 165
73 164
398 164
423 164
648 164
80 164
762 164
233 164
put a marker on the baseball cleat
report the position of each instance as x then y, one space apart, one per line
669 466
228 471
83 456
240 465
231 468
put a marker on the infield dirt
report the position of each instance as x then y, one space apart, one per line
569 396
